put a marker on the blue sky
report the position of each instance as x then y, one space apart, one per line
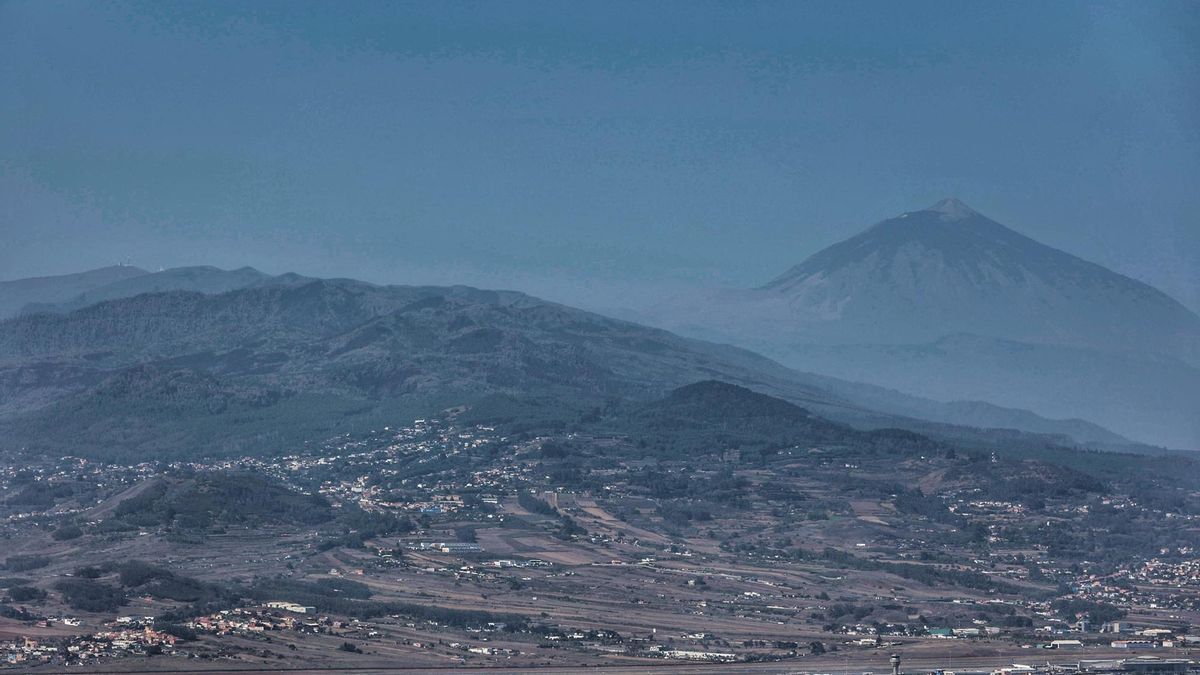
598 153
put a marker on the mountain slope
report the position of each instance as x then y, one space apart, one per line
259 368
1142 397
882 306
961 413
15 295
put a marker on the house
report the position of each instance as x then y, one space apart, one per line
1150 664
1132 644
292 607
459 547
1066 644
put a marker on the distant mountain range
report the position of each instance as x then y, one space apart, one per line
241 363
65 293
16 295
946 303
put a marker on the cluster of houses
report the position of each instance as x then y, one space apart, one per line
1179 574
27 652
121 641
1152 584
379 455
272 616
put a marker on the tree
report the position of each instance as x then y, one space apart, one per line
67 532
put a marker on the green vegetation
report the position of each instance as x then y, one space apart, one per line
26 594
67 532
358 527
90 596
534 505
24 563
220 499
38 495
20 614
1095 612
918 503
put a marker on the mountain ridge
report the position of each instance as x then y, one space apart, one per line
198 278
17 293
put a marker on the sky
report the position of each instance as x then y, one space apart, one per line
598 153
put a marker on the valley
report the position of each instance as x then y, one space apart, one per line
714 525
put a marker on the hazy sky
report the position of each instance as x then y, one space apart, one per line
591 152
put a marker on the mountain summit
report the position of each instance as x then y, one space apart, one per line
949 304
948 269
952 208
